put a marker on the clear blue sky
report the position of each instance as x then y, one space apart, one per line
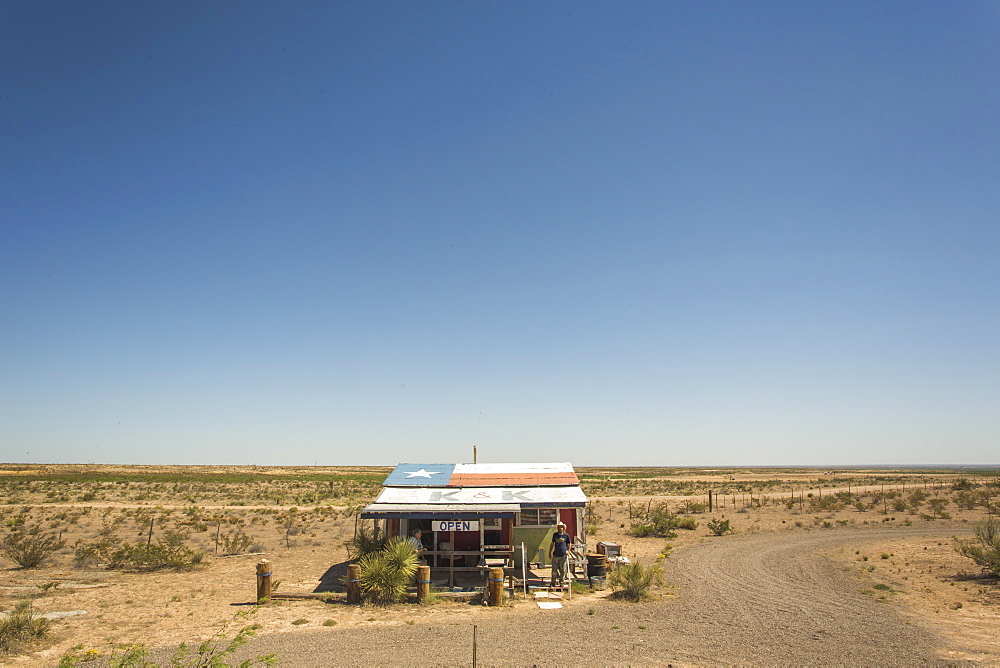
641 233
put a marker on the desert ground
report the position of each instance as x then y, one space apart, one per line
823 567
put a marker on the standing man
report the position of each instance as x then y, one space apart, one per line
559 554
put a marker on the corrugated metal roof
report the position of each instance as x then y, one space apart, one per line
454 511
448 507
482 475
526 497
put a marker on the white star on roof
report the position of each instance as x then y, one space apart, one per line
422 473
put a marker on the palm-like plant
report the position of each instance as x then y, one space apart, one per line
386 575
365 542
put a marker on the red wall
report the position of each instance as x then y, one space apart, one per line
568 516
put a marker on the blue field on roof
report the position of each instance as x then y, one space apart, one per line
420 475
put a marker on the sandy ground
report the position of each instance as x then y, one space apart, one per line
766 599
789 588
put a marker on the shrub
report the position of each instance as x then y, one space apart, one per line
719 527
659 522
985 549
634 581
169 551
20 626
937 506
212 652
825 504
29 547
915 499
692 507
688 523
365 542
236 542
967 500
386 575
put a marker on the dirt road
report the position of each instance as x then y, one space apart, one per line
768 599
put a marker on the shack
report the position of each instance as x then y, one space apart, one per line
474 516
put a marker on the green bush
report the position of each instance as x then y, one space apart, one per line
985 549
213 652
719 527
386 575
937 506
659 523
634 582
29 547
236 542
21 626
692 507
825 504
967 500
365 542
169 551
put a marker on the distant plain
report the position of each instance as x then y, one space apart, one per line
895 529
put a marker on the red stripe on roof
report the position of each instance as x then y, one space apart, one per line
531 478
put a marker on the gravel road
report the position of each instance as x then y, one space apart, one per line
769 599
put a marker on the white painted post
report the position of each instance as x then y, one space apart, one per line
524 571
569 575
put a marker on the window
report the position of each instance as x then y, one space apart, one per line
537 517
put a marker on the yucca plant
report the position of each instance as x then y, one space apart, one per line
386 575
365 542
634 581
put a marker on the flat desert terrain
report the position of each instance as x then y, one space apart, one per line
841 567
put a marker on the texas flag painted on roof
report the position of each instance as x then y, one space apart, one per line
481 475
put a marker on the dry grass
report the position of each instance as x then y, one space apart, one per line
301 518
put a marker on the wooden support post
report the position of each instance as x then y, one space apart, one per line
423 583
451 559
709 500
495 588
263 580
353 586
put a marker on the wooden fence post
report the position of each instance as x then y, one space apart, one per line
353 588
496 587
263 580
423 583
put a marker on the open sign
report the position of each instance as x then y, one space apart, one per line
455 525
